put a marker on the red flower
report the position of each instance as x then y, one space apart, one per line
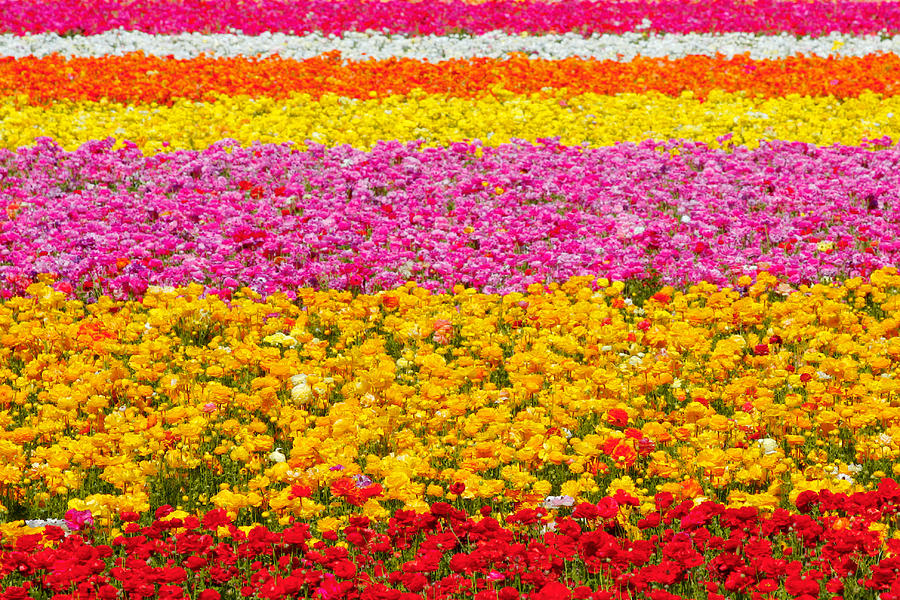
371 491
173 575
508 593
459 563
301 491
552 591
607 508
344 569
623 498
195 563
441 509
15 592
107 592
343 487
797 585
414 582
807 501
663 500
585 510
661 297
681 551
582 592
215 519
650 521
617 417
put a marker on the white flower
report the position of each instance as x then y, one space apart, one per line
301 393
767 446
357 46
277 456
45 522
553 502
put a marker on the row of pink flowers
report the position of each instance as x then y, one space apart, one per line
825 547
497 219
815 17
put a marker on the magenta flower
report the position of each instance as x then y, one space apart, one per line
76 520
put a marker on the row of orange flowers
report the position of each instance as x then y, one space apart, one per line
140 78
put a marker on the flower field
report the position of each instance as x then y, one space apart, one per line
449 300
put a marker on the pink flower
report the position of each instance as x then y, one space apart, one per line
77 520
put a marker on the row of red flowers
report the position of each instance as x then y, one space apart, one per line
831 544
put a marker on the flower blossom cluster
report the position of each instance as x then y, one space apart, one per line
497 219
816 17
367 45
449 299
336 404
136 78
677 550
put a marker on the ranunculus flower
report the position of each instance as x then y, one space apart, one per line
77 520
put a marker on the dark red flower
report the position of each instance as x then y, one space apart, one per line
441 509
807 501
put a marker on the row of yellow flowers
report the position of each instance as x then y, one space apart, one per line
273 407
597 120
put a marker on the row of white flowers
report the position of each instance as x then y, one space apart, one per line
355 46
